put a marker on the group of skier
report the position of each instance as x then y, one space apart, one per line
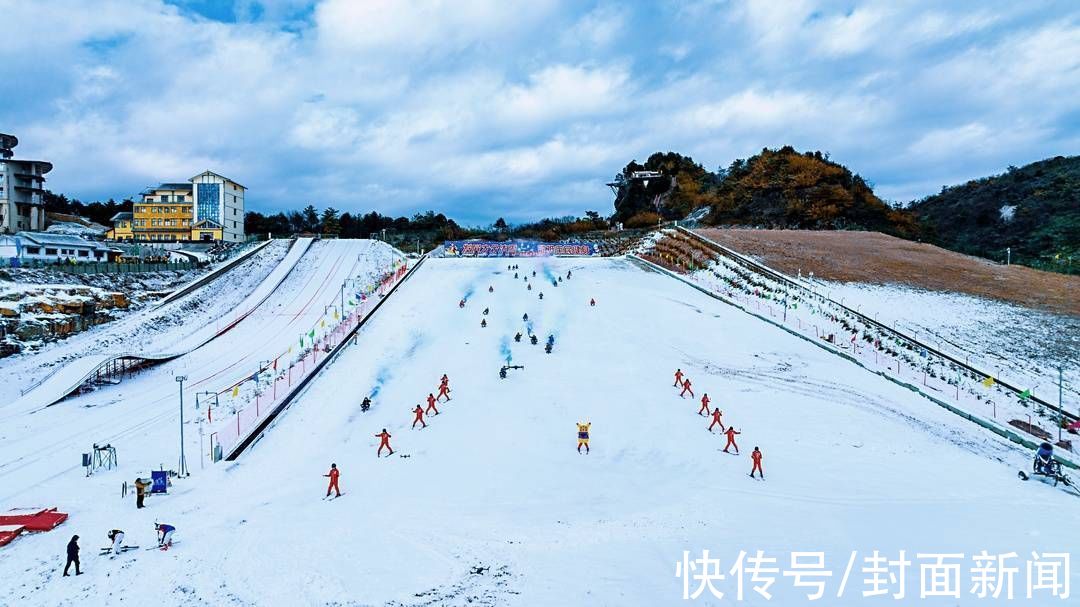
116 545
716 416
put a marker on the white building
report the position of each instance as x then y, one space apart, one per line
22 184
219 200
48 247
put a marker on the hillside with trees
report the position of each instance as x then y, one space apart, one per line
774 189
1033 210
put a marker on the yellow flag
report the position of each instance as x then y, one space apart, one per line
322 322
988 382
335 315
235 390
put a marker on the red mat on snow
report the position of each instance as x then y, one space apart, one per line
33 519
9 532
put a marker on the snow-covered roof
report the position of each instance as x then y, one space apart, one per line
45 238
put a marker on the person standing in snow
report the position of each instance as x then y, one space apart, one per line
483 323
461 304
333 476
73 555
491 289
583 436
384 441
165 533
756 456
704 410
716 419
678 378
686 388
731 439
419 418
117 537
592 302
444 390
140 492
431 404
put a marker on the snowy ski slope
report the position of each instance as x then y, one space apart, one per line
853 462
41 444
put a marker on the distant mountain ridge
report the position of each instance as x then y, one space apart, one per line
1034 210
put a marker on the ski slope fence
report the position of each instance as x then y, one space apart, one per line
243 428
71 377
914 379
793 283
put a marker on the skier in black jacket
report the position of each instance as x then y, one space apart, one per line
73 555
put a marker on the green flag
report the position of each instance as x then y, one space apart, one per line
1026 394
311 334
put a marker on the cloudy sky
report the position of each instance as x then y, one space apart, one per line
524 109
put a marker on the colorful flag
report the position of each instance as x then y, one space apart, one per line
235 390
988 382
1026 394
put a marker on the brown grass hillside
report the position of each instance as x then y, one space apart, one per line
873 257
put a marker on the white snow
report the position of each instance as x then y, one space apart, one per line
1007 211
854 462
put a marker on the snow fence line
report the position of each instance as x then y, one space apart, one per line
1019 437
214 274
779 276
250 436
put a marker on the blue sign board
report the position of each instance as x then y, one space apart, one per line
516 248
159 480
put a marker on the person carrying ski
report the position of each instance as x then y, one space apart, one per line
384 441
333 476
431 404
165 533
419 418
686 388
731 433
716 415
704 410
72 556
140 492
756 456
583 436
117 538
678 378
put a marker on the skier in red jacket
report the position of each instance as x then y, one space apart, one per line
444 390
731 439
333 476
716 419
756 456
384 441
431 404
704 410
678 378
686 388
419 418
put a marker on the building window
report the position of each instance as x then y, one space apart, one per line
84 253
209 195
33 250
50 251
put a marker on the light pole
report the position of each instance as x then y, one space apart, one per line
1061 404
183 460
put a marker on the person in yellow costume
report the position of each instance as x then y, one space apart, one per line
583 436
